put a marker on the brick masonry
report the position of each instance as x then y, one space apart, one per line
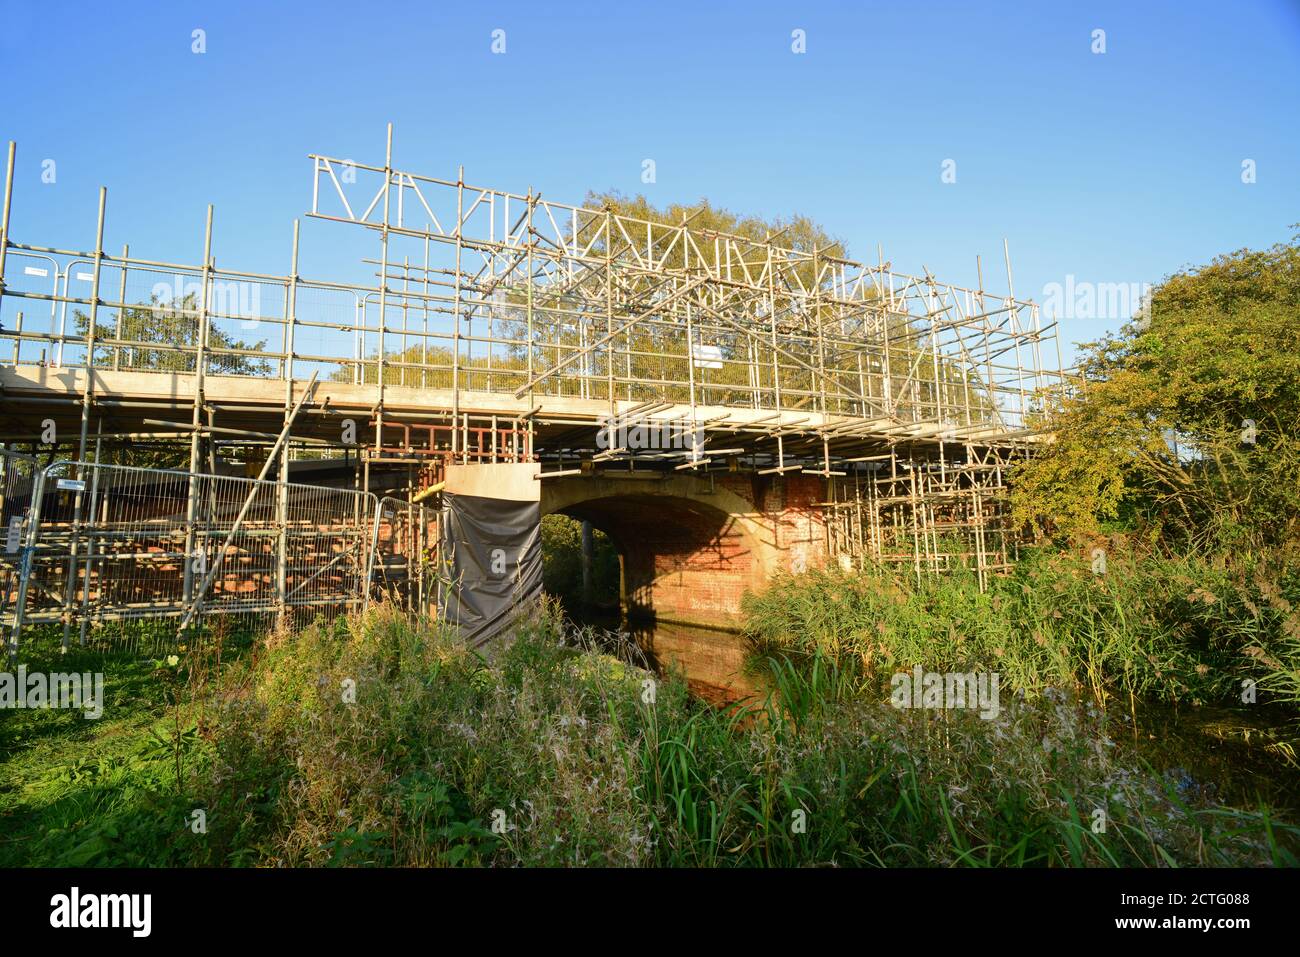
692 548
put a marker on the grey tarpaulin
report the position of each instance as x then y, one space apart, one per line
494 549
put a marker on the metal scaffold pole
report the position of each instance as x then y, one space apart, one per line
282 492
4 214
192 545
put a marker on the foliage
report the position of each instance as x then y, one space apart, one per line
164 337
1177 629
796 232
551 323
551 754
562 562
1185 427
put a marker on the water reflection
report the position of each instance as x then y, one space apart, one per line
713 662
1235 756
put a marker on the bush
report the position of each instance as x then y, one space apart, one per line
376 742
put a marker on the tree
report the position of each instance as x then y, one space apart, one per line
1185 426
652 359
163 337
798 232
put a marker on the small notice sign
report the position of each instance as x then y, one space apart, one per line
707 357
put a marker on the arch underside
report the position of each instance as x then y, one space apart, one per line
682 559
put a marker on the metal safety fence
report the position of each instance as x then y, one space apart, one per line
92 546
18 478
408 570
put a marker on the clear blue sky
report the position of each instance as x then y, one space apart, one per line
1119 167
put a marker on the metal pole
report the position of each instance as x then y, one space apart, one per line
89 388
191 502
610 349
29 552
243 511
282 493
4 215
121 308
531 204
455 338
383 305
90 543
695 440
87 395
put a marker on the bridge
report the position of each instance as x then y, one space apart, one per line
723 406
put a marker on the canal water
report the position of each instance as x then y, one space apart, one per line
714 663
1233 756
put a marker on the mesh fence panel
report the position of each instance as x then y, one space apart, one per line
406 555
116 544
18 475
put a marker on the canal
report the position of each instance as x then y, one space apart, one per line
1234 756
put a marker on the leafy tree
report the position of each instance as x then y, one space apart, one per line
562 562
797 232
1185 426
163 336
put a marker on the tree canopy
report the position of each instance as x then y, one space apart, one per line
163 336
1185 426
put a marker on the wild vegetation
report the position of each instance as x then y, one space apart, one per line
1165 509
1174 628
374 742
562 569
1183 432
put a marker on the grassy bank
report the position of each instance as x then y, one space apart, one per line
1178 629
376 743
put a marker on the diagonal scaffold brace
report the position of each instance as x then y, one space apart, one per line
271 458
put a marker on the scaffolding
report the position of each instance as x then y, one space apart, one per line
507 326
927 513
128 544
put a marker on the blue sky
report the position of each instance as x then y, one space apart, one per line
1114 167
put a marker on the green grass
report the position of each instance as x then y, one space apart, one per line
568 753
1183 629
74 791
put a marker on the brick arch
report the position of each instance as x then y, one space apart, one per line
690 547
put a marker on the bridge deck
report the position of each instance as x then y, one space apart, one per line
137 403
